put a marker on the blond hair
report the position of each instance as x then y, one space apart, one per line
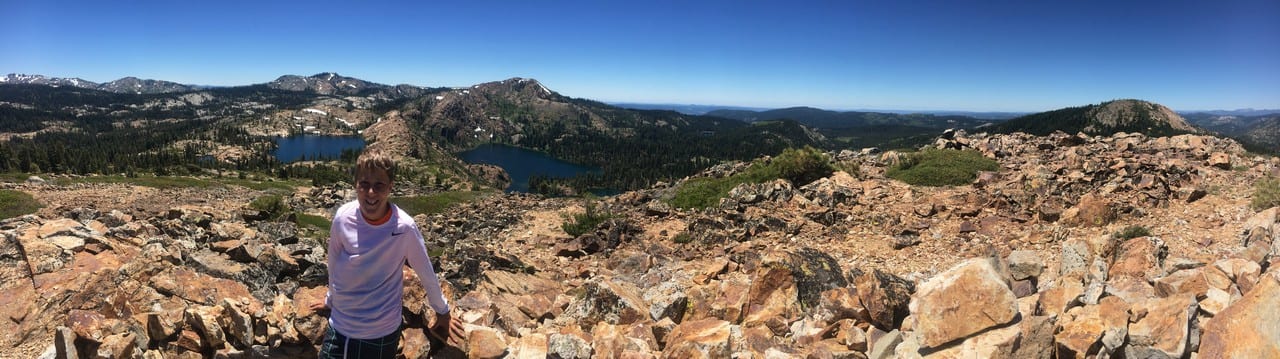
371 159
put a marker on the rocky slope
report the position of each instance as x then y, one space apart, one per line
1023 263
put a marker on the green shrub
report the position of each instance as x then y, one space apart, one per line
1131 232
1266 194
683 238
434 203
941 167
800 166
272 204
17 203
318 222
585 222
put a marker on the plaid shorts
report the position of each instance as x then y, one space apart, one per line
337 345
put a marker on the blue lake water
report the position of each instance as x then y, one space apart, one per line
521 164
294 148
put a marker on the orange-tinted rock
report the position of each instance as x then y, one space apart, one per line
1247 328
1165 330
962 301
706 338
1063 295
772 299
532 346
1140 257
885 296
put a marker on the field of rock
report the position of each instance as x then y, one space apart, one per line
1040 259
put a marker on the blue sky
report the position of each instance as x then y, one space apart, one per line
905 54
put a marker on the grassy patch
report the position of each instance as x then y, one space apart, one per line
17 203
272 204
581 223
435 203
683 238
1266 194
15 177
1131 232
941 167
315 224
800 166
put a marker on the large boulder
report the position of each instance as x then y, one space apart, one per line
966 299
1248 328
609 301
1166 329
885 296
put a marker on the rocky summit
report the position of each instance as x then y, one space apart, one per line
1025 262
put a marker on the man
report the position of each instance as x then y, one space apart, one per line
369 243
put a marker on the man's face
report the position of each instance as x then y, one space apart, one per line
373 186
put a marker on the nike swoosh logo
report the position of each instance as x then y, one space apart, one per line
396 234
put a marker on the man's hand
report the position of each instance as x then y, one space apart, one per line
448 328
318 307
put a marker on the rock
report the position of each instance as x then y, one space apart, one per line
1220 160
87 325
1092 211
1243 272
485 343
239 326
1165 330
883 346
841 303
1190 281
189 341
610 301
1093 328
1141 257
204 320
1247 328
966 299
197 287
1063 295
667 300
885 296
67 243
1075 258
1037 338
706 338
568 346
160 328
1131 289
532 346
772 299
64 340
722 299
1025 264
119 346
995 343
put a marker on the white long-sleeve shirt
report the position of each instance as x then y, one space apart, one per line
365 279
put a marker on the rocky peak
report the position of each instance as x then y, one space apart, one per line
1128 112
325 83
525 88
143 86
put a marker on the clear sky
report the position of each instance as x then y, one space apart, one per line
1023 55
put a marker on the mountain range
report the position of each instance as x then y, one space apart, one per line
73 125
130 84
